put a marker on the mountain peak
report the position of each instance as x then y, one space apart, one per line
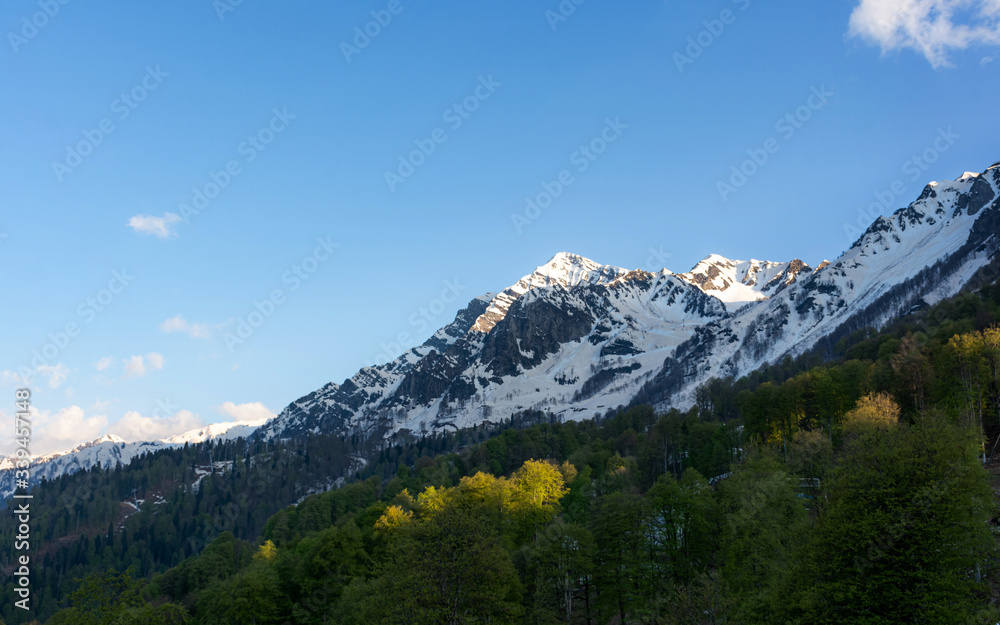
569 270
564 270
575 337
107 438
737 282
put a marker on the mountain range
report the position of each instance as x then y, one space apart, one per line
111 450
575 337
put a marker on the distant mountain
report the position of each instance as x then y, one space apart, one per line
110 450
576 337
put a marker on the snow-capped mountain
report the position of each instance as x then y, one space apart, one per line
575 337
110 450
916 257
217 431
738 282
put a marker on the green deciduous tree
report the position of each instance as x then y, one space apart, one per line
446 569
904 530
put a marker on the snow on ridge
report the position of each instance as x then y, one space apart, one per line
110 450
894 249
736 313
564 270
739 282
215 431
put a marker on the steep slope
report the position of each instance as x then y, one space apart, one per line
572 337
575 337
917 256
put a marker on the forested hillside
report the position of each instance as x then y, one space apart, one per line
848 490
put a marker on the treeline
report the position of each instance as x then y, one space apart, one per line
87 522
946 356
314 551
888 522
80 523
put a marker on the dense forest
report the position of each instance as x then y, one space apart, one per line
852 489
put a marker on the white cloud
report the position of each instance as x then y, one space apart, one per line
159 227
135 367
12 378
255 411
135 427
104 363
55 374
180 324
61 431
101 405
139 366
155 361
931 27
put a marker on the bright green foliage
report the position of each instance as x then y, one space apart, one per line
874 411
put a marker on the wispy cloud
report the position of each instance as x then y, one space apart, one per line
12 378
140 366
55 375
254 411
159 227
931 27
180 324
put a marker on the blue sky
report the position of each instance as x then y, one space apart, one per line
622 121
